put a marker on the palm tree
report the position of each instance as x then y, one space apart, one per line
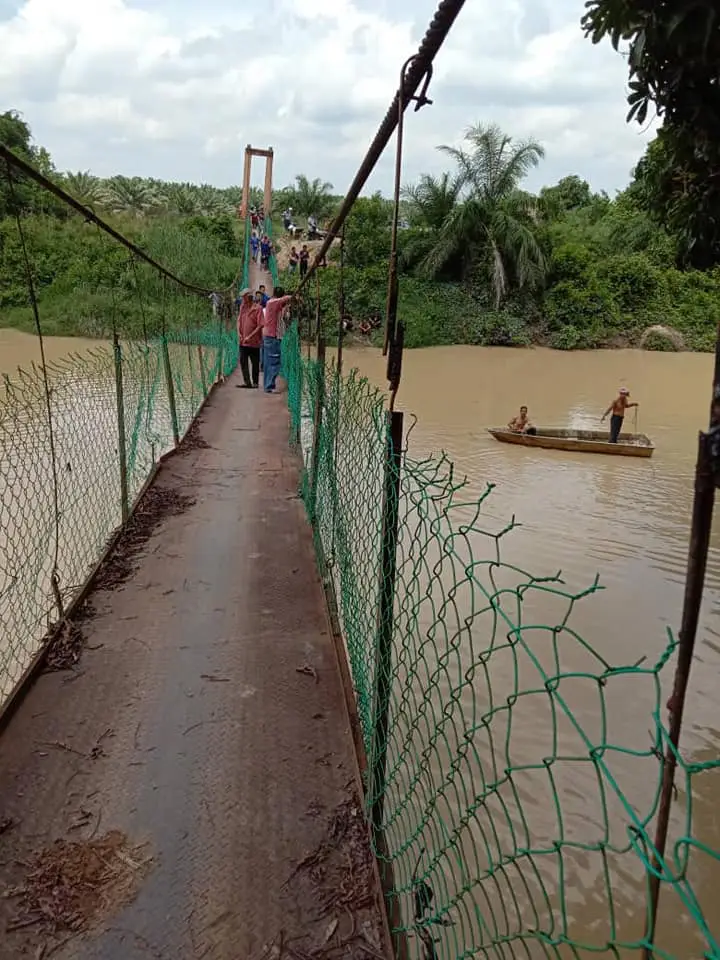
432 199
312 196
129 194
86 188
179 198
492 229
209 201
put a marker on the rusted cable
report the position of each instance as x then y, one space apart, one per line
445 16
392 294
12 160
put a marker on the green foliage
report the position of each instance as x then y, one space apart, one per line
367 232
86 284
482 262
490 227
674 53
659 342
309 197
570 193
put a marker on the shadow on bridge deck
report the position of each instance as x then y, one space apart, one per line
204 731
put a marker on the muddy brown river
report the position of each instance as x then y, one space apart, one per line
623 519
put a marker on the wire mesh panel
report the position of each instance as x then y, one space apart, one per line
60 467
523 770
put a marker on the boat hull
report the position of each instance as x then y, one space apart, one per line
579 441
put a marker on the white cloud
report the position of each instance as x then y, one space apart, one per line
176 88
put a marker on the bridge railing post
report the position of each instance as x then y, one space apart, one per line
221 350
382 685
170 386
203 379
122 444
317 428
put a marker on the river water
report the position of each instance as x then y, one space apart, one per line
623 519
626 520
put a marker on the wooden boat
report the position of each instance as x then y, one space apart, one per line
579 441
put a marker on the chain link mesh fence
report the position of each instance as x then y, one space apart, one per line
523 770
60 466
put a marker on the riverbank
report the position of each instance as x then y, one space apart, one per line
201 748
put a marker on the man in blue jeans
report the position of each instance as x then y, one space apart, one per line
271 342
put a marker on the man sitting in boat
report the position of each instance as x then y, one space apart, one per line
618 407
522 424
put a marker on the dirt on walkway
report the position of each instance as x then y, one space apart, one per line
183 783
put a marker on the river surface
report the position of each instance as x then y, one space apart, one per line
624 519
22 349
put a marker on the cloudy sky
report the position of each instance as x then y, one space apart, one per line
175 88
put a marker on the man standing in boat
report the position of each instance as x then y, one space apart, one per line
521 423
618 407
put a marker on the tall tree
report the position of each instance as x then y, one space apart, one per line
569 193
129 195
491 233
84 187
15 134
312 196
432 199
673 59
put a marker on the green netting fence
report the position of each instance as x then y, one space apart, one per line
514 773
61 495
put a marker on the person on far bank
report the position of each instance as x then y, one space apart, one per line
250 324
271 341
617 408
304 260
293 260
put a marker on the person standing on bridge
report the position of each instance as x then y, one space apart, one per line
271 341
249 324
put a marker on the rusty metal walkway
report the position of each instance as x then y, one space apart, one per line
203 738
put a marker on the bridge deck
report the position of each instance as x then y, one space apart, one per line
202 742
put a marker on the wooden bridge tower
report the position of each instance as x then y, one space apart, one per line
251 152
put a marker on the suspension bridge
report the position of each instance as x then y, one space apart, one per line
262 672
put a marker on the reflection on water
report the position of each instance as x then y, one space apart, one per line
626 520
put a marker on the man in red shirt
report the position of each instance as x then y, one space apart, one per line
271 341
249 325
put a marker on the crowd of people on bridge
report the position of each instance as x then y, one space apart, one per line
260 326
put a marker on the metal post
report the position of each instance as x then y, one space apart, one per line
385 624
317 428
707 477
170 389
190 367
122 446
221 350
203 379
